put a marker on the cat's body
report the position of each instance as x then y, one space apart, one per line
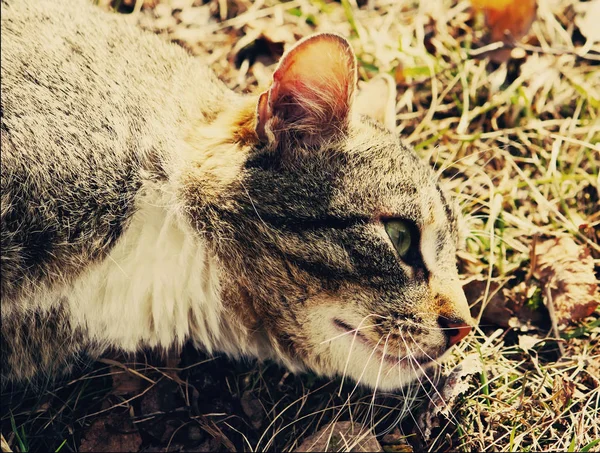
145 205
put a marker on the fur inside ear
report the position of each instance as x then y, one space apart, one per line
312 93
377 99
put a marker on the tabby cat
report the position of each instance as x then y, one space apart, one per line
146 205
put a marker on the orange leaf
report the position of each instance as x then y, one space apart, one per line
507 18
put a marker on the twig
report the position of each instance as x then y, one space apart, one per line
552 312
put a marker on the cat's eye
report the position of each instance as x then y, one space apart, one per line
400 235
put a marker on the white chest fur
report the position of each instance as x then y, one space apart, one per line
158 287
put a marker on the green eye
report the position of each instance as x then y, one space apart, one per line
399 233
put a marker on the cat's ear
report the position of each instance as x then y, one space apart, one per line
377 99
312 93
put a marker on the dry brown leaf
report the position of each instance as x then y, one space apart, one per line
566 269
507 21
505 307
253 409
562 391
124 382
496 310
396 441
399 448
394 437
341 436
507 17
442 402
115 432
399 76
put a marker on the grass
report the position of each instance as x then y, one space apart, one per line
519 145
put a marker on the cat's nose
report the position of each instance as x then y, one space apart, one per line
454 329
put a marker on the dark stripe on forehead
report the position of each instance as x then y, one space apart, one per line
373 261
450 215
452 227
299 224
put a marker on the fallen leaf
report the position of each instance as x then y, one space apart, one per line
393 437
496 310
399 76
566 271
161 399
507 21
253 409
400 448
441 403
115 432
562 392
507 17
341 436
395 441
124 382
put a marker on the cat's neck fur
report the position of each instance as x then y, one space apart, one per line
160 285
154 287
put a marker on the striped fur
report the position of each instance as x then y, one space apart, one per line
145 205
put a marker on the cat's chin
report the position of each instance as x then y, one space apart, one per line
346 352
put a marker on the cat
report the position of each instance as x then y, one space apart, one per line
145 205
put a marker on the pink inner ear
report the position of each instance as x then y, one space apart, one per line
314 83
321 69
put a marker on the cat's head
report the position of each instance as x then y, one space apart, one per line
337 244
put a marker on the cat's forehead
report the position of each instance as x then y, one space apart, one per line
385 176
368 174
385 179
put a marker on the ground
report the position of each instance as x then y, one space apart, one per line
514 133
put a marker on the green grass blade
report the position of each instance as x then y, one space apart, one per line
591 445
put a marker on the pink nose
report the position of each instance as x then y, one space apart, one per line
454 329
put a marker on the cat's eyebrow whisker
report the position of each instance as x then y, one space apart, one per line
484 165
453 163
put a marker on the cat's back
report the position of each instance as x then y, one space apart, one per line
90 103
75 73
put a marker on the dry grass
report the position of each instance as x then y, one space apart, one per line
518 142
